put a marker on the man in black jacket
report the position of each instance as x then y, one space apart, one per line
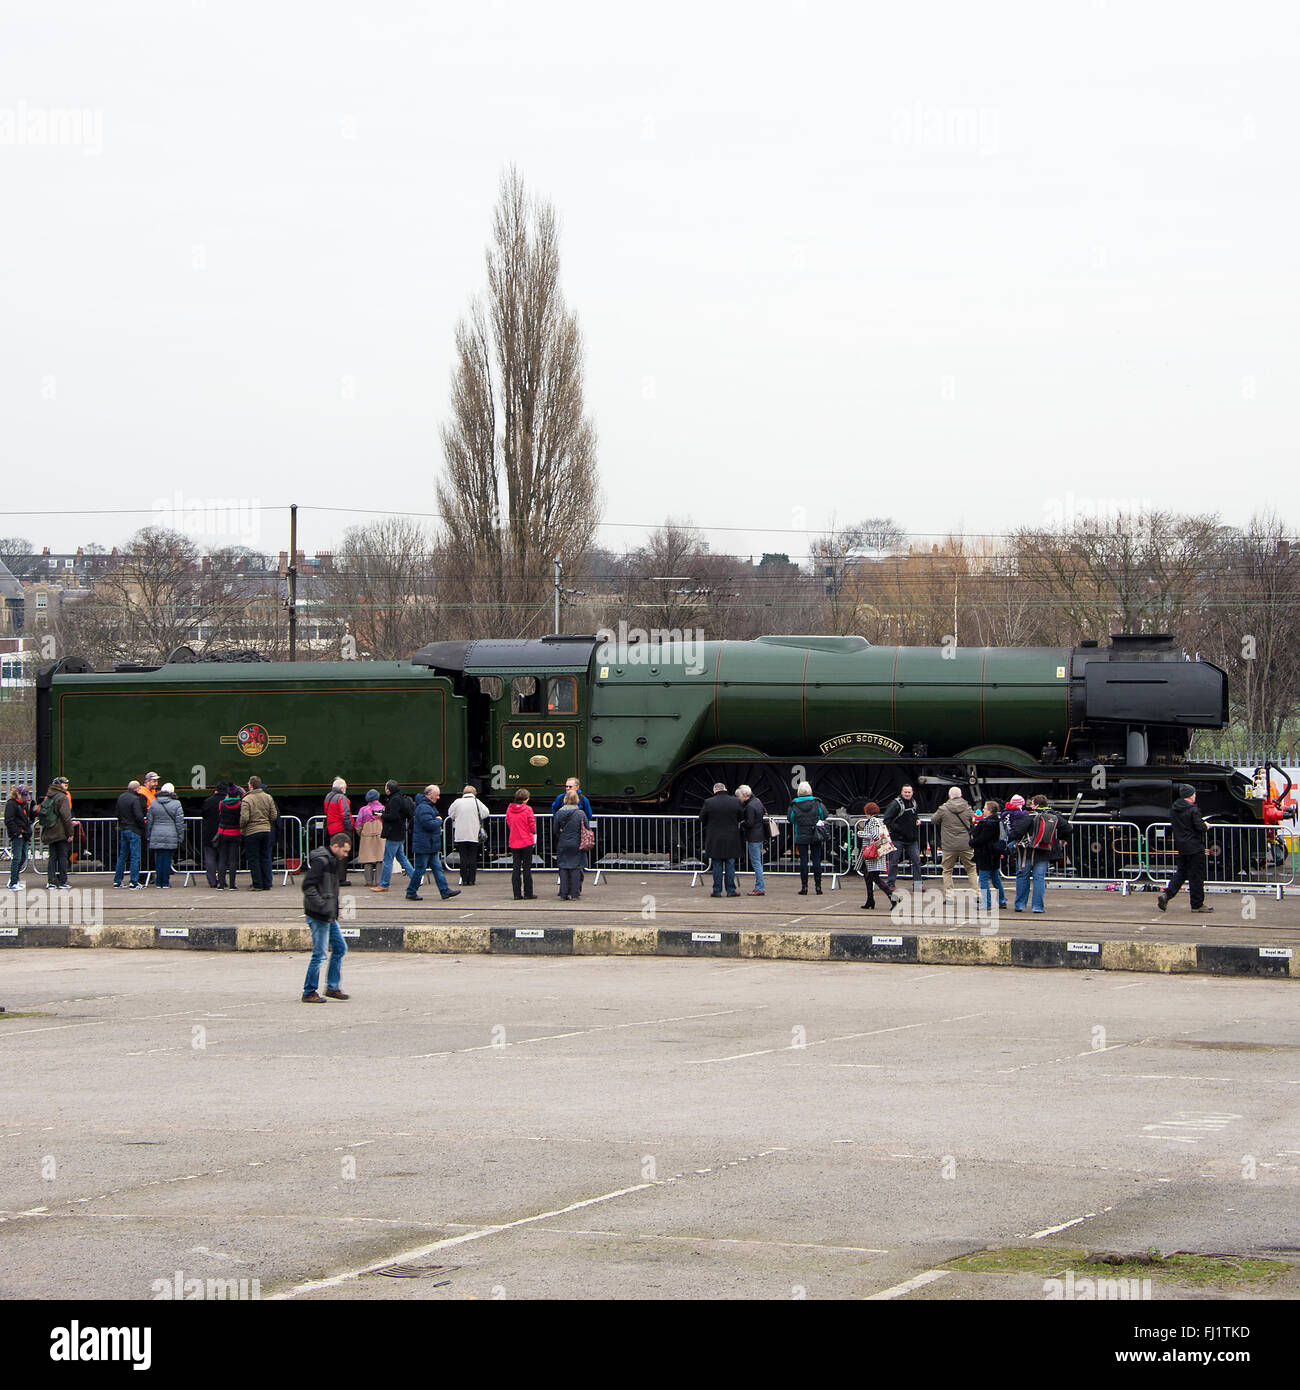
900 820
1189 841
753 827
211 810
399 812
320 901
131 808
720 816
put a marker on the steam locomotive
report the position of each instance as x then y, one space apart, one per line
652 724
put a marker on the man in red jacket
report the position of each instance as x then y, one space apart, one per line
338 819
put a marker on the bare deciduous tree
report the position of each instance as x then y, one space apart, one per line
520 485
382 588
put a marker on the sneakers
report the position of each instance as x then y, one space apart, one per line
715 895
312 998
336 994
1162 902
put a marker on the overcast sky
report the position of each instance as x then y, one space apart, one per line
967 265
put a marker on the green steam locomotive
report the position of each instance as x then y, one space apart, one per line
652 724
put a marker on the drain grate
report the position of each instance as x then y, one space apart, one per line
415 1271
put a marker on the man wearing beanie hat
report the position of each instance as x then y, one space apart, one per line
1189 841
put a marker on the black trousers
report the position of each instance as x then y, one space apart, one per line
227 859
816 848
210 858
258 849
570 883
1191 870
521 872
59 862
468 851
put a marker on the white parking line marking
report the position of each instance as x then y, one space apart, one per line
579 1033
900 1289
718 1240
1065 1225
846 1037
407 1256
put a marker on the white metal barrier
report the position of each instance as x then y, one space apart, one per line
1238 858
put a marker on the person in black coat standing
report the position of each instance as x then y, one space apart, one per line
1189 841
721 816
18 826
211 811
900 820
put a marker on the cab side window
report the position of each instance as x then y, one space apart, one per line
562 695
525 695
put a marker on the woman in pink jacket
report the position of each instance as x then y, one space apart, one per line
522 825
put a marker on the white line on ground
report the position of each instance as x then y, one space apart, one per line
900 1289
579 1033
846 1037
718 1240
406 1256
1065 1225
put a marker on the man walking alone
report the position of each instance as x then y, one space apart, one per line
320 901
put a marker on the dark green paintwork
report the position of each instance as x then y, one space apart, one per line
363 722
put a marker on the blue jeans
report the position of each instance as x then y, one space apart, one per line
1024 872
325 934
991 878
730 866
128 848
394 849
432 862
755 848
162 863
911 851
18 848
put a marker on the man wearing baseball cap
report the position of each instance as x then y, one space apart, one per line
150 788
1189 841
56 832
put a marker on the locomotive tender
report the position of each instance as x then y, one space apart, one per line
652 725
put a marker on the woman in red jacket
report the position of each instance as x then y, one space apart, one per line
522 825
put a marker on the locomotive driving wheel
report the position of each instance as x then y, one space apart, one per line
694 787
851 785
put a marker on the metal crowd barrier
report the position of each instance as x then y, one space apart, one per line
97 839
1240 858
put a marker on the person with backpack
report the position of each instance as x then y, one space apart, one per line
228 813
1039 833
952 824
320 904
811 835
18 827
1189 840
901 823
166 830
397 818
57 830
877 847
987 847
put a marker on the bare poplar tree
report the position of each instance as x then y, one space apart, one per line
520 485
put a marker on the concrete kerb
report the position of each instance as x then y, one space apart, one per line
830 945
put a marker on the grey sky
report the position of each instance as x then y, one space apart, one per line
967 265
